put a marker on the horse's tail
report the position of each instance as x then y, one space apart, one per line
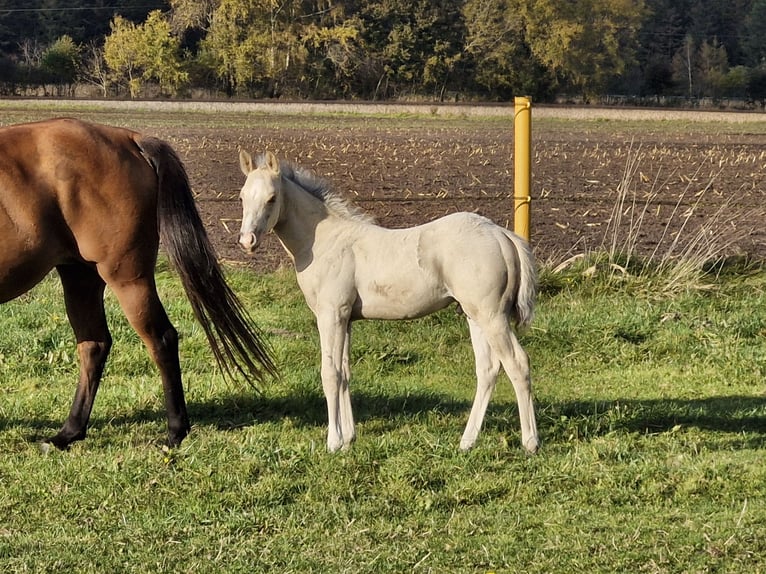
233 336
523 310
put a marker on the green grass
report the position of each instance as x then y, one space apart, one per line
147 116
651 410
651 405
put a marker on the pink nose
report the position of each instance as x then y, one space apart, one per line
248 241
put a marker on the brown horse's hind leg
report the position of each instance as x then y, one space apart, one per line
84 298
142 307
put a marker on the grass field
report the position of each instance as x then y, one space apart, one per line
651 406
652 415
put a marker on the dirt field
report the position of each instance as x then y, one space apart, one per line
698 179
696 184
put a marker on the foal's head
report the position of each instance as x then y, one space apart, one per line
260 196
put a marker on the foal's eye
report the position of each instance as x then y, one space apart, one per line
271 200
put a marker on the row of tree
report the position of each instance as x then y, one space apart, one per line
383 49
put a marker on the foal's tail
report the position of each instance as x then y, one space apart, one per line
523 310
233 336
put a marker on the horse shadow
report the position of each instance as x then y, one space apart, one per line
247 409
729 414
238 410
557 421
738 414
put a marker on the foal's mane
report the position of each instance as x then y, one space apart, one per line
323 191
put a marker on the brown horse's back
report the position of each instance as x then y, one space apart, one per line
93 201
64 198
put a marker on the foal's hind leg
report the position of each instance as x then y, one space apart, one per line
84 299
515 361
141 305
487 368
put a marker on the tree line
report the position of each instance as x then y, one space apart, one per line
478 50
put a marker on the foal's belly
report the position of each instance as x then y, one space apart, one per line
381 301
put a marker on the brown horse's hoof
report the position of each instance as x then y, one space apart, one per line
175 438
63 439
57 441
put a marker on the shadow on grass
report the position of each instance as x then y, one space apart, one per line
723 414
234 411
239 410
557 421
590 419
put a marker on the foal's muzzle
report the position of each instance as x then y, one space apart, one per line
248 241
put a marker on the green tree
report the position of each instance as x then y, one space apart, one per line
61 62
254 45
701 69
724 21
584 43
137 54
414 45
84 21
712 64
122 53
502 62
442 25
162 58
734 83
754 34
660 37
335 53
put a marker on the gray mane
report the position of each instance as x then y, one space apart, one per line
321 189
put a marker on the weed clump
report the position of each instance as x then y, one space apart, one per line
690 253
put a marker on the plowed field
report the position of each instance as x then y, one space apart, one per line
645 181
650 189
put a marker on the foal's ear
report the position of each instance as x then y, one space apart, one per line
245 162
271 162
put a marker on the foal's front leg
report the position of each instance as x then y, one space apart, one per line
332 326
346 414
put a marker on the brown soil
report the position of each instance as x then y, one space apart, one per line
700 186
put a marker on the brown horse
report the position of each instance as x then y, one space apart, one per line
94 202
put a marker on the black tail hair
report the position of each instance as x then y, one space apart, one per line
233 336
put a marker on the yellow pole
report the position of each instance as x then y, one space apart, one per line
522 165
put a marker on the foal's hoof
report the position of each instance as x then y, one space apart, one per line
532 445
334 447
466 445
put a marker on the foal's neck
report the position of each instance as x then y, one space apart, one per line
300 214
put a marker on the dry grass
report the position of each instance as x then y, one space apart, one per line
689 245
541 111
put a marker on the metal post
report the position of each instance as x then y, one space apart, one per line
522 165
